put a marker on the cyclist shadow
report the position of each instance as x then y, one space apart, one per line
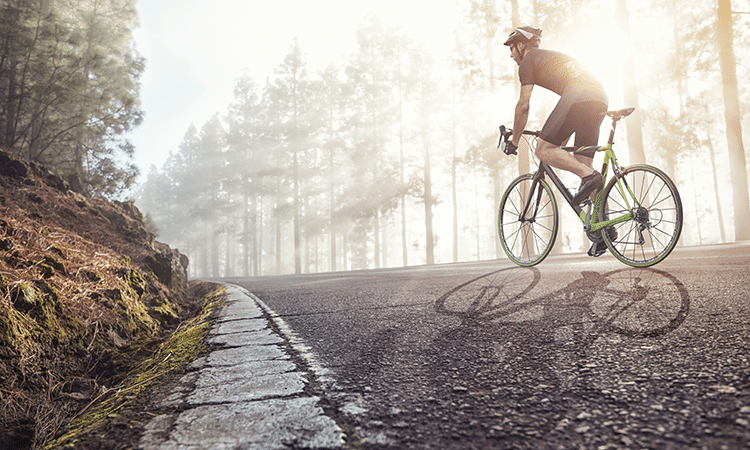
630 302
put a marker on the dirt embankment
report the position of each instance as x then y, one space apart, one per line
86 293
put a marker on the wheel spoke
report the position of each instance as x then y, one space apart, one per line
527 236
658 212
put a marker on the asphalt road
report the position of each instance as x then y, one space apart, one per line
574 353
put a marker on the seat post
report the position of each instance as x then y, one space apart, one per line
611 140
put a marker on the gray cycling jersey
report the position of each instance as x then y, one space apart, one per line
557 72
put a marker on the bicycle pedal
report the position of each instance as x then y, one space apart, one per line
597 249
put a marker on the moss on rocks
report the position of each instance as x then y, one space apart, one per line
170 360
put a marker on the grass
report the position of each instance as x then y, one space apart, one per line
183 346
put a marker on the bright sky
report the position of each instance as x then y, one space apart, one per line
196 49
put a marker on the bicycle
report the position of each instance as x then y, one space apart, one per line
638 213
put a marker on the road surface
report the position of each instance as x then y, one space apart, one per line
574 353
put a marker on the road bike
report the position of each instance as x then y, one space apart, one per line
638 213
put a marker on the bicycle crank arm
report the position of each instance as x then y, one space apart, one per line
587 224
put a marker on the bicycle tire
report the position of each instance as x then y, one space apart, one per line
527 242
653 233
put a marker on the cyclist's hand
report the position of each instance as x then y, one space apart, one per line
509 148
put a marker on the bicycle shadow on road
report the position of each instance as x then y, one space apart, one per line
631 302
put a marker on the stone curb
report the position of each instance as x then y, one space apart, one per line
248 395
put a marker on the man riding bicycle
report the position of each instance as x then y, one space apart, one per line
579 110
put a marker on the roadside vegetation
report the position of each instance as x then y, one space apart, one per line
93 310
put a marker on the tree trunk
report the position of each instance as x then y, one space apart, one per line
258 238
430 238
214 252
695 201
277 224
633 123
297 212
345 249
376 236
384 241
228 254
246 236
454 163
737 162
477 228
497 193
10 105
331 198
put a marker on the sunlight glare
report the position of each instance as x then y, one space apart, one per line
603 48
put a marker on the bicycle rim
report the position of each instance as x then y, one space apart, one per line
653 233
527 238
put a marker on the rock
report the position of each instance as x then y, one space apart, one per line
24 297
12 168
167 264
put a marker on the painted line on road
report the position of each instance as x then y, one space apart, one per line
323 375
352 404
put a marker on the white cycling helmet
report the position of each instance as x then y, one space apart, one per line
524 34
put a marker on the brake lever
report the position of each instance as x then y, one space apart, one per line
504 134
507 147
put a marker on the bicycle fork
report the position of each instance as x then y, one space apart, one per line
524 217
531 218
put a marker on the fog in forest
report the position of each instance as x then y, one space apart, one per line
387 157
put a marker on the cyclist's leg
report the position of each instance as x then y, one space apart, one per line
560 159
556 130
576 112
585 118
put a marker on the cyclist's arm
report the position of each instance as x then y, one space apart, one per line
522 113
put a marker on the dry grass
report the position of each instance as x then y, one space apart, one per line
78 303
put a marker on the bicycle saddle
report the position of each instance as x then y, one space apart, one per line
625 112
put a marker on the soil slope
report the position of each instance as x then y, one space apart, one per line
85 293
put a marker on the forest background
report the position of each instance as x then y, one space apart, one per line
380 159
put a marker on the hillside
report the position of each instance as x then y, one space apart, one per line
85 294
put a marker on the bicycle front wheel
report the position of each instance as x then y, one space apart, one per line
528 221
656 210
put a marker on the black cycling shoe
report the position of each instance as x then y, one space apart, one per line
597 249
589 184
596 236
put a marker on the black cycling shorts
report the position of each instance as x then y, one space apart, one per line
571 115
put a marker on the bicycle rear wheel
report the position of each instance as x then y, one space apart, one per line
528 236
653 232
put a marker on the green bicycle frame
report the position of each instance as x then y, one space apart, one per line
622 186
590 225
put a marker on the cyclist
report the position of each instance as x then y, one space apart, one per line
579 110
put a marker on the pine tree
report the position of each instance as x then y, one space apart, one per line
737 162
